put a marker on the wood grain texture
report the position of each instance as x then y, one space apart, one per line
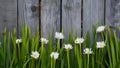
93 13
50 16
20 16
113 14
28 12
71 17
8 15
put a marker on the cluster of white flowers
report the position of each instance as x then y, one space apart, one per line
100 44
79 40
35 54
43 40
54 55
88 51
18 41
59 35
68 46
100 29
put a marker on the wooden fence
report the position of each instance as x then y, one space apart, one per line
68 14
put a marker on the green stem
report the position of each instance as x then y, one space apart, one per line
77 55
11 63
54 63
102 55
42 48
51 63
80 56
99 58
80 51
4 46
58 44
19 50
102 52
88 61
43 57
75 49
102 35
68 58
26 62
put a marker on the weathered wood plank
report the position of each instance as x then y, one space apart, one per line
28 12
71 16
50 16
113 14
20 16
93 13
8 15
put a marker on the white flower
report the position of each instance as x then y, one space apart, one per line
88 51
18 40
59 35
45 41
100 44
54 55
79 40
35 54
68 46
100 29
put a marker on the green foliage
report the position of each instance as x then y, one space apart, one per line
18 55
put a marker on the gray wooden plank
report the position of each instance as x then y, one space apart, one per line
50 16
28 12
8 15
71 17
93 13
113 14
20 16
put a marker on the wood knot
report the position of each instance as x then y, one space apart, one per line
33 8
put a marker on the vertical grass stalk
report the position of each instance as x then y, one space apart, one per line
80 55
77 56
88 61
4 46
26 62
58 44
53 61
102 35
68 58
43 56
19 51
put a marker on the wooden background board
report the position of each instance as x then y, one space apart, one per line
93 13
8 15
113 14
59 14
71 17
50 16
20 16
29 14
